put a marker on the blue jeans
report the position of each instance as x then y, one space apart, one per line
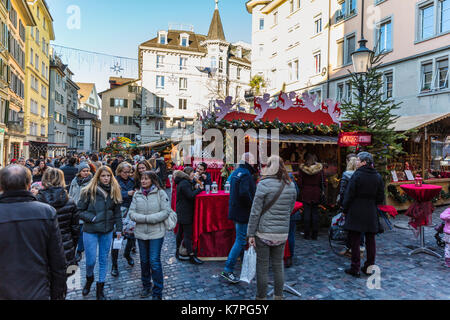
91 241
151 267
291 237
238 247
80 247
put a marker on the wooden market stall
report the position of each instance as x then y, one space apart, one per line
427 153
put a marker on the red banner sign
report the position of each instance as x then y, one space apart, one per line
354 139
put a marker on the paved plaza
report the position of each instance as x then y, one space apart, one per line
317 272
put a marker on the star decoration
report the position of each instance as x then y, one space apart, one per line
117 68
172 79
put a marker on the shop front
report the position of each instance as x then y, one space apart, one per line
427 154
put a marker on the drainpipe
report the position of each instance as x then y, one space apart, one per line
328 52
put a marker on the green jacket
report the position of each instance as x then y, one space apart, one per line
101 216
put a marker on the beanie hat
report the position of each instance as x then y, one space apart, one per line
82 166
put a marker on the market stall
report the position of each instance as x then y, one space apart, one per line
427 154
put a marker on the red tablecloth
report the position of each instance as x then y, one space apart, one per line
213 234
389 210
422 209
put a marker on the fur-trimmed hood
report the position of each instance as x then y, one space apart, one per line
312 170
180 175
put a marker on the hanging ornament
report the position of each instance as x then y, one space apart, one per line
117 68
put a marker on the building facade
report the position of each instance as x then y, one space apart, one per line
58 108
37 80
89 118
183 73
20 17
5 6
309 46
121 110
72 112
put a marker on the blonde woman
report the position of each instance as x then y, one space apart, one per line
100 210
54 193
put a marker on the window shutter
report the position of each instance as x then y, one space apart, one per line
111 119
130 120
125 120
112 102
7 112
125 103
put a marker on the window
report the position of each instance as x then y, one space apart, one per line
293 70
91 101
159 125
261 24
183 63
31 56
339 92
291 6
261 50
160 82
162 38
37 36
318 94
159 61
42 130
213 63
42 111
43 71
238 73
185 42
388 84
43 91
159 105
346 10
34 106
442 74
427 76
444 16
183 83
427 22
318 26
384 37
220 65
350 48
182 104
317 63
340 55
36 62
275 18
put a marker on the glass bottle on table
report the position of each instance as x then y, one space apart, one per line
214 188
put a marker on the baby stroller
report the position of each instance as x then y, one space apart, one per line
439 230
337 235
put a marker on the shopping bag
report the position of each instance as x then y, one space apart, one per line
249 265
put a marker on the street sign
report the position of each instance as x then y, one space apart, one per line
354 139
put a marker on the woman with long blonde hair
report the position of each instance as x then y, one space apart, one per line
99 207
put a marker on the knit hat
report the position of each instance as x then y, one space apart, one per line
82 166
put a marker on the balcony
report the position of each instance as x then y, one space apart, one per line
154 112
15 127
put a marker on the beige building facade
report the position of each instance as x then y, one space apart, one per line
309 46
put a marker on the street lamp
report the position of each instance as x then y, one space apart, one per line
183 123
362 57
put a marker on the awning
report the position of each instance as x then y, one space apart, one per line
306 139
419 121
155 144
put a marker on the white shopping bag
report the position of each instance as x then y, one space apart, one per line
117 244
249 265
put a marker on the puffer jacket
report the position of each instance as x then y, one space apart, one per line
101 216
276 219
446 217
149 213
76 186
67 214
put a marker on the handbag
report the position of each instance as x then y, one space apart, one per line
171 222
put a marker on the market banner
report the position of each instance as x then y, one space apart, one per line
354 139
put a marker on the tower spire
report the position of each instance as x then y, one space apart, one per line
216 28
217 4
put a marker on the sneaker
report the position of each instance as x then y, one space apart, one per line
230 277
146 292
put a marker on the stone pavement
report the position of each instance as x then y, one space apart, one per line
318 273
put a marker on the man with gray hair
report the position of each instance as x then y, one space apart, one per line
32 257
364 193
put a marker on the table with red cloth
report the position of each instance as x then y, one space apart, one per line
390 210
213 234
421 209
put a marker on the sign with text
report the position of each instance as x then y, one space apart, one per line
354 139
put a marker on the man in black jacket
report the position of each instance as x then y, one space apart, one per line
70 171
32 261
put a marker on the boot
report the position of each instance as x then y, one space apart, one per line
130 260
314 235
87 286
194 260
114 270
100 291
278 298
288 262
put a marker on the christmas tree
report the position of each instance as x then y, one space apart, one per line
372 111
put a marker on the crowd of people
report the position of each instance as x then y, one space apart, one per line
56 210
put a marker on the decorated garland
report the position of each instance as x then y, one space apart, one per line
285 128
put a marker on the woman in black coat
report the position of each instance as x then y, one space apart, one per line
185 211
365 192
55 194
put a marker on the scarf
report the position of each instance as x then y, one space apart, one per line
146 192
105 187
82 181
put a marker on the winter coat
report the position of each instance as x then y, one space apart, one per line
149 213
101 216
69 173
68 219
276 219
37 178
365 192
185 197
76 186
346 176
446 217
32 260
242 192
125 187
311 183
161 169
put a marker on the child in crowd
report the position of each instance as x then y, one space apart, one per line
36 187
446 217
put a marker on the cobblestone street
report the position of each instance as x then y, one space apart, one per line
317 272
